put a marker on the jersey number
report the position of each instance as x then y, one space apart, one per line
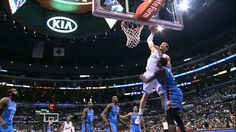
11 117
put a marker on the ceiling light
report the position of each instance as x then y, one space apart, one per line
184 5
160 28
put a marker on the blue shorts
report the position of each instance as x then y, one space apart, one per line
89 127
9 129
135 128
113 127
174 101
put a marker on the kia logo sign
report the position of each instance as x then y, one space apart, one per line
62 24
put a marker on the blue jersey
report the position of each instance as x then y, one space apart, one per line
87 123
89 116
113 114
134 116
173 96
134 127
9 112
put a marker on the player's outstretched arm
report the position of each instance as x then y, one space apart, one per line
126 117
123 122
150 42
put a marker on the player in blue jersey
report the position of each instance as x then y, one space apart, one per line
87 118
171 96
7 111
112 111
132 116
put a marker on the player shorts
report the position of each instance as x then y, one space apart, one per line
112 128
9 129
135 128
86 127
153 85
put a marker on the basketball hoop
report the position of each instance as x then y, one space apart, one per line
132 31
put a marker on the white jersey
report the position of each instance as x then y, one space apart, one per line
68 127
152 61
151 68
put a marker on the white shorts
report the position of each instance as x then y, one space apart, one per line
153 85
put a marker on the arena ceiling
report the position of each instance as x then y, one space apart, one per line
96 44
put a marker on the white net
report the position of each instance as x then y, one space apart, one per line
132 32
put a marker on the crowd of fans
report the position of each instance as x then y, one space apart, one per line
57 95
214 109
210 109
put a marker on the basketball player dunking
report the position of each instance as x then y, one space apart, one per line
7 111
171 95
113 111
67 126
133 116
87 118
151 68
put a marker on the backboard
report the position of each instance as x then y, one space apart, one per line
47 117
169 16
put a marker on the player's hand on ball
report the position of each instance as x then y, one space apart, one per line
153 28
